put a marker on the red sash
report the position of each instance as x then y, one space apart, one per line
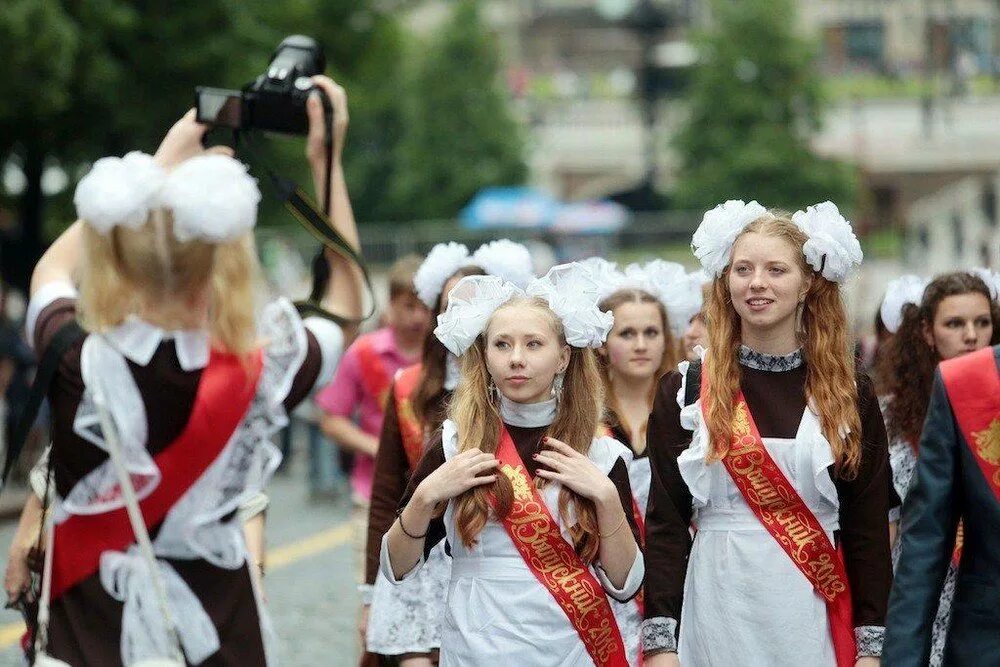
410 428
374 375
778 506
224 394
556 564
972 382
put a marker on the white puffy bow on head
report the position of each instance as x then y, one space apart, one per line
713 240
899 292
511 261
212 197
569 289
832 248
992 280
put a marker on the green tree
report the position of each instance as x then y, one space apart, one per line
460 132
754 101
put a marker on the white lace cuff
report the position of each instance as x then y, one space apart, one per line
385 566
253 505
367 592
331 345
894 514
43 298
659 635
869 639
632 582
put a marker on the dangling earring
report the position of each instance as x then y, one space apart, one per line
799 310
557 387
493 392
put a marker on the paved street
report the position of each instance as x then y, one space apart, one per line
311 584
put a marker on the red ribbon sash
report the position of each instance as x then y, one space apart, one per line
374 375
224 394
780 509
410 428
556 564
972 383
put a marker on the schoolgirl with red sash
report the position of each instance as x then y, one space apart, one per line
179 364
531 585
786 480
406 621
932 321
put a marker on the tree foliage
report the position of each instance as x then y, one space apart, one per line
754 101
460 132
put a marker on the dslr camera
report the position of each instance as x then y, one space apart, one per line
276 100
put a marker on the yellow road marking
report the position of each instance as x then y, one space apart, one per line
277 558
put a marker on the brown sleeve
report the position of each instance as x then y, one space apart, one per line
619 477
668 515
864 504
50 320
305 378
388 486
432 459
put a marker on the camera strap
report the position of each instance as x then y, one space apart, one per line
318 224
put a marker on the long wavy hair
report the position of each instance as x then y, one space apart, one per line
429 398
477 419
127 268
614 415
907 364
831 388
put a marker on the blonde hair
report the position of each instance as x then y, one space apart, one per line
830 375
671 352
127 268
477 419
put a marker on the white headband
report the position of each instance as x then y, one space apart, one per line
212 197
511 261
667 282
831 249
569 289
898 293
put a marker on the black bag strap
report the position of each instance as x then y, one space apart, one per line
69 334
316 223
692 382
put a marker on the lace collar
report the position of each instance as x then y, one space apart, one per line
769 362
451 372
138 340
527 415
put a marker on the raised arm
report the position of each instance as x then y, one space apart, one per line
344 289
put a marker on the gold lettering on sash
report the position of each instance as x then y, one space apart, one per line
532 528
988 445
777 505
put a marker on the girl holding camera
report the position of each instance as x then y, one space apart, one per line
183 379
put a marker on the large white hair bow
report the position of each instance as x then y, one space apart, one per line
992 280
713 240
511 261
569 289
899 292
832 248
212 197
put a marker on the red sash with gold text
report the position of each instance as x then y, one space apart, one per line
972 382
410 428
556 564
226 388
780 509
374 375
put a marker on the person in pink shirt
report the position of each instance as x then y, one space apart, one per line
354 402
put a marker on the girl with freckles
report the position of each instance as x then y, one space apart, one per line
774 448
536 510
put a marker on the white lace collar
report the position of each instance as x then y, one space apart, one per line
527 415
138 341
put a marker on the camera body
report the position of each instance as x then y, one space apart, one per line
276 100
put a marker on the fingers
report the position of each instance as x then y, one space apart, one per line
317 123
480 467
221 150
551 460
559 446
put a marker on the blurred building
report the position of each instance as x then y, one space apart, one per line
895 37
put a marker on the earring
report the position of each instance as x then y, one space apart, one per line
557 387
494 393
